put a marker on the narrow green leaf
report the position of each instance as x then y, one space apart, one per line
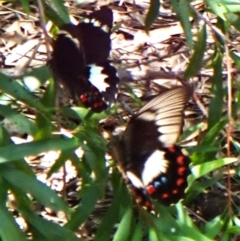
182 10
113 213
223 7
23 124
88 202
108 222
17 152
123 231
218 8
45 127
29 184
42 74
182 215
156 236
186 224
216 104
213 131
152 13
13 88
236 58
165 226
56 11
214 227
25 5
48 98
9 229
138 233
202 169
195 61
234 20
233 8
49 230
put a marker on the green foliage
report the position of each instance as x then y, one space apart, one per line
152 13
183 12
195 62
122 220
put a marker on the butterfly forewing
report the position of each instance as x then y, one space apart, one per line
174 98
166 114
95 35
67 58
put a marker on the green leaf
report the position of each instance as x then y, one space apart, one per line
17 152
112 215
233 19
202 169
9 229
42 74
25 5
48 98
138 233
236 58
29 184
13 88
21 123
49 230
223 7
182 10
123 231
152 13
214 227
218 8
216 104
56 11
213 131
45 127
195 61
88 202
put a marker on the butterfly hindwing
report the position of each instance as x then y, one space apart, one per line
98 92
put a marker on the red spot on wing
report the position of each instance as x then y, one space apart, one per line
180 182
181 160
165 195
171 148
83 98
181 171
150 189
175 191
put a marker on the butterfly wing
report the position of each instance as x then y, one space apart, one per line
79 60
67 61
100 86
150 160
95 33
160 120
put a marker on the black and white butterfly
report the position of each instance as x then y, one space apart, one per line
79 60
147 153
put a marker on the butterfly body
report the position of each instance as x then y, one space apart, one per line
79 60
